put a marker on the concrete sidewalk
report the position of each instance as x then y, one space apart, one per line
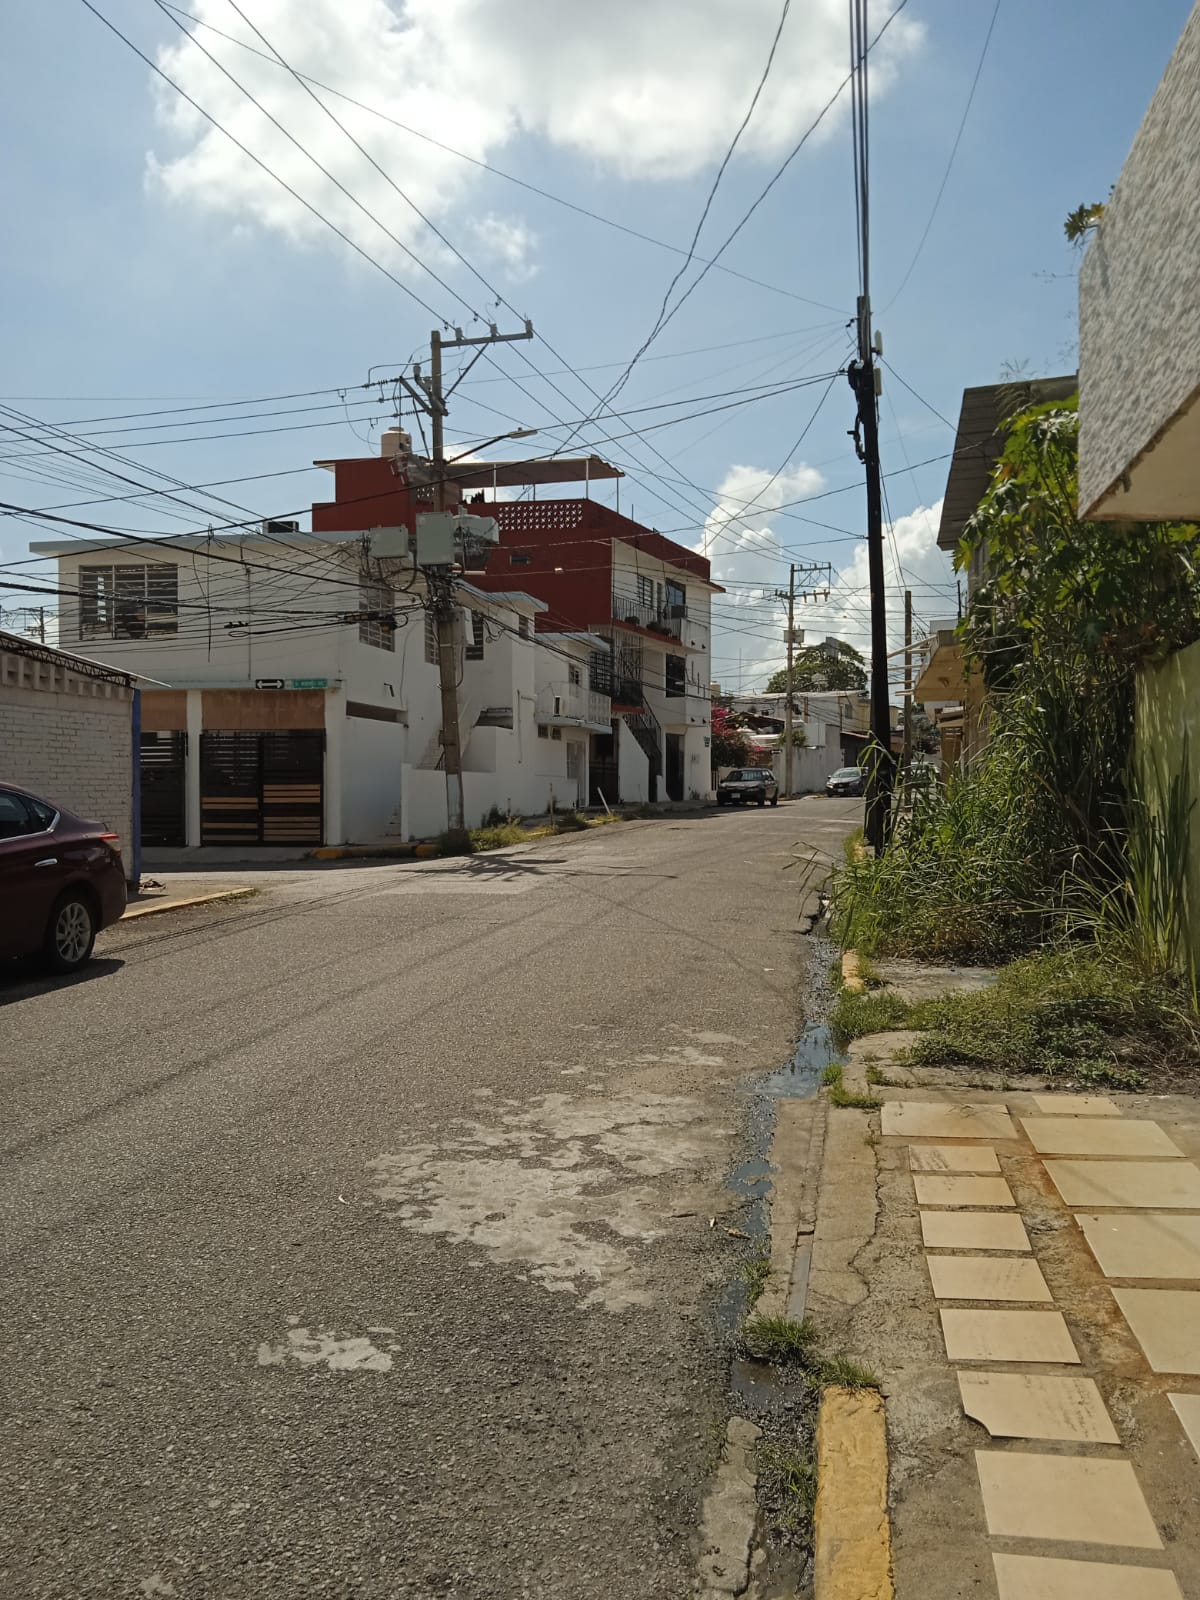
1022 1270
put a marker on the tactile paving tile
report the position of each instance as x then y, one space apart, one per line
1027 1496
984 1335
1097 1136
952 1158
935 1190
986 1278
973 1230
1049 1578
1166 1323
1029 1405
1143 1244
942 1119
1128 1185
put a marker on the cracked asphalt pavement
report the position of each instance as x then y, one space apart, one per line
369 1237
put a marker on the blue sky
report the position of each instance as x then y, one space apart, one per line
149 265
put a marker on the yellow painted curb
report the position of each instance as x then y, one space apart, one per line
852 977
852 1545
157 907
425 851
329 852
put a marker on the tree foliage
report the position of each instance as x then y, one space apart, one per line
822 666
1065 614
730 746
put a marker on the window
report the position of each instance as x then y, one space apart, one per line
16 817
525 627
676 599
676 678
431 650
573 763
377 625
556 733
645 591
474 651
131 601
573 674
543 731
519 558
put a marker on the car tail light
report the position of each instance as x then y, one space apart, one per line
113 838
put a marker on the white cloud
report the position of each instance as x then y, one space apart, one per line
749 621
645 88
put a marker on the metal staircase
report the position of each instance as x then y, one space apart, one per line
647 730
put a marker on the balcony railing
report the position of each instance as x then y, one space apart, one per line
667 620
574 703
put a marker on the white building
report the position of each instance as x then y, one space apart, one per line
304 704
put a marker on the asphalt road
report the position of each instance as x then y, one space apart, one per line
364 1238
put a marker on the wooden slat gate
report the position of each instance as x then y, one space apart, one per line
164 789
262 788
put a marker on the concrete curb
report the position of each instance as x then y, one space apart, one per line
156 908
852 977
852 1545
362 852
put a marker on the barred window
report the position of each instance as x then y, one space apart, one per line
378 601
131 601
474 651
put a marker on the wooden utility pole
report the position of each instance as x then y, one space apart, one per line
441 580
908 680
788 758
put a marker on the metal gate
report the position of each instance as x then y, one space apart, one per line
262 788
164 789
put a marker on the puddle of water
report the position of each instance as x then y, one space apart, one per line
754 1388
800 1078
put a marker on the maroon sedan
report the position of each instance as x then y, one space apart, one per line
61 881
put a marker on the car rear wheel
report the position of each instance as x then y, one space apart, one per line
71 932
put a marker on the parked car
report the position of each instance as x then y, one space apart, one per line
746 784
61 881
847 780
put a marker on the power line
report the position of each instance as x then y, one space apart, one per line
208 117
496 172
937 199
708 203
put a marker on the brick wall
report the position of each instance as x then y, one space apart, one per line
68 739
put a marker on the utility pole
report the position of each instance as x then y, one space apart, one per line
441 578
787 704
42 623
908 680
864 380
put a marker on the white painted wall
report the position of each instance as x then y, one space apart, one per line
370 776
632 765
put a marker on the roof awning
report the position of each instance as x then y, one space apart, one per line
510 474
944 675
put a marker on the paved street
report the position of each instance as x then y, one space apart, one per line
357 1236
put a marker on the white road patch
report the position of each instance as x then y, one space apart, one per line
321 1347
156 1584
537 1187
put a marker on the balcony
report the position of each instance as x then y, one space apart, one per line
635 613
570 705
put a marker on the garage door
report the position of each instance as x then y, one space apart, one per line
262 788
